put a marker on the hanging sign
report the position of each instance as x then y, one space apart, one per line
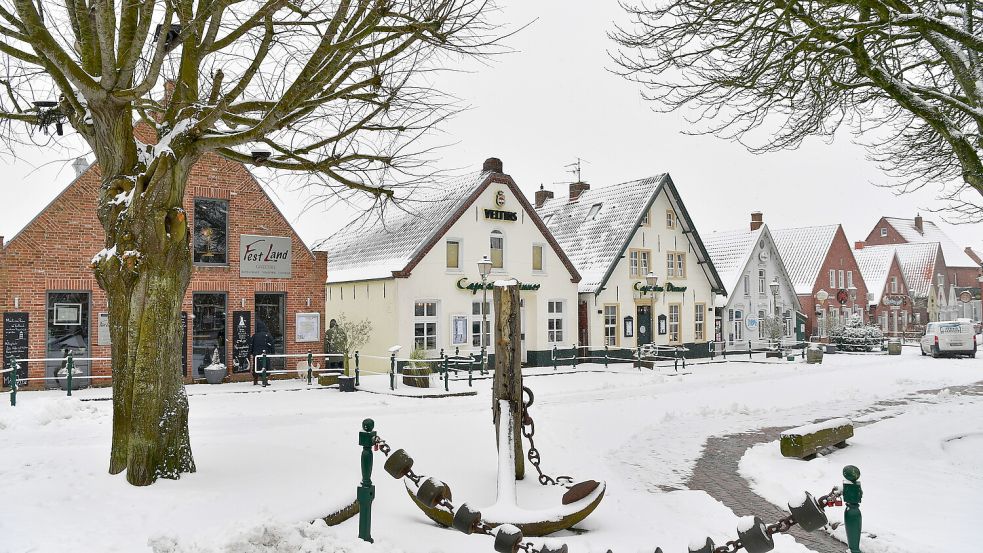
15 327
265 256
965 296
751 323
241 333
894 301
463 284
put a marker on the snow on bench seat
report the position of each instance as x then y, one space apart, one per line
804 442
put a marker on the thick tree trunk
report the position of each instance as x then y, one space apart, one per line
145 271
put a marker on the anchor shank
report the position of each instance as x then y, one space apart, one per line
507 386
506 458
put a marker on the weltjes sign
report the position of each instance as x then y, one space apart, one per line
265 256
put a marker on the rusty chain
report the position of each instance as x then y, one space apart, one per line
528 431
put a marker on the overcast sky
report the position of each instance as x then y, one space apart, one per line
555 100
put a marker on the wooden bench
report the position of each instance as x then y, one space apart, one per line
805 441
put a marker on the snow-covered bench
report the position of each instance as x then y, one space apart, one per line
805 441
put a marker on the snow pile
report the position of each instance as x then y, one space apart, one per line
275 537
60 410
813 428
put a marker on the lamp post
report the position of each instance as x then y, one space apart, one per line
822 296
774 294
852 290
651 280
484 269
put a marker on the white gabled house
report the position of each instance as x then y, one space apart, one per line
748 262
413 270
615 236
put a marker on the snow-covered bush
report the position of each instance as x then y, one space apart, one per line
856 336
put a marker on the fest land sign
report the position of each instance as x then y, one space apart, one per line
265 256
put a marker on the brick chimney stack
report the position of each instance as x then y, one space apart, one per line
492 165
757 219
918 224
576 189
542 195
858 245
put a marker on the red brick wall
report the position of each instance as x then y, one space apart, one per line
895 271
839 256
54 251
875 238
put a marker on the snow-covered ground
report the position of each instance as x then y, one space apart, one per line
271 459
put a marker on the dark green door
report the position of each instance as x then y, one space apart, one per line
644 318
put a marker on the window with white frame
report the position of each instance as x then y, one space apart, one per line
789 324
849 279
638 263
554 321
670 219
761 282
894 285
761 325
883 232
832 278
425 325
699 322
842 278
453 254
610 325
476 320
747 285
537 257
497 245
645 218
676 264
737 325
674 323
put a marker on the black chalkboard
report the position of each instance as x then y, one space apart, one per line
241 331
184 343
15 340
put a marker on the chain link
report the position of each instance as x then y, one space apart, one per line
528 431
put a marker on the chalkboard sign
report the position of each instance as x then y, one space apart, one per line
15 341
241 331
184 343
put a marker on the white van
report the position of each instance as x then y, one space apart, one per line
949 338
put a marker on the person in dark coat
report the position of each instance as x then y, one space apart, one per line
260 343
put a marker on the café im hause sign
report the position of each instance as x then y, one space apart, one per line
264 256
463 284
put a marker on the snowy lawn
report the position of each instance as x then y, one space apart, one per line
271 460
920 473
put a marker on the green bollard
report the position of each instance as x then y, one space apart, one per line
574 348
366 491
482 366
310 367
638 356
851 517
71 369
605 356
356 368
471 372
13 382
265 375
446 379
392 371
554 357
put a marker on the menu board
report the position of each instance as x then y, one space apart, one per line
241 331
15 340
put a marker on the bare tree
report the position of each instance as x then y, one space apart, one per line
905 74
334 88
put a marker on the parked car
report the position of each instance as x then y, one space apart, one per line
949 338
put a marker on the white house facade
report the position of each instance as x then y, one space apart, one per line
616 236
749 262
414 271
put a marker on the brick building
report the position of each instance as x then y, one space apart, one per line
249 267
821 259
962 266
891 303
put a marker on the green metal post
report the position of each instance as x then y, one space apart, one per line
13 382
310 367
483 357
265 375
71 369
713 349
574 356
446 376
749 349
554 357
443 366
471 372
605 356
366 491
851 517
356 368
392 371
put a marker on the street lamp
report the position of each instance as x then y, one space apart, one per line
651 280
774 293
822 296
852 290
484 269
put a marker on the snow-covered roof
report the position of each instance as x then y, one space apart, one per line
955 256
918 266
377 244
875 264
730 251
595 230
803 250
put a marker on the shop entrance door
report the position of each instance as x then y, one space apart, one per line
68 330
271 311
644 317
208 331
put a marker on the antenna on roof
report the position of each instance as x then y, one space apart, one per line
576 168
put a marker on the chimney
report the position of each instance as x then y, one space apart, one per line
543 195
492 165
576 189
972 255
757 219
80 165
858 245
1 242
918 224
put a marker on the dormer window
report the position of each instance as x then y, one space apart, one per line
592 214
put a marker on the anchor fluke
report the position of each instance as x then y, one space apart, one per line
466 519
579 491
507 538
432 492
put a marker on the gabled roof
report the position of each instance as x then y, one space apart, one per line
392 242
595 230
918 266
875 264
730 252
955 256
803 250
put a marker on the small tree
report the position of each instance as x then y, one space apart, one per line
856 336
347 336
773 328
